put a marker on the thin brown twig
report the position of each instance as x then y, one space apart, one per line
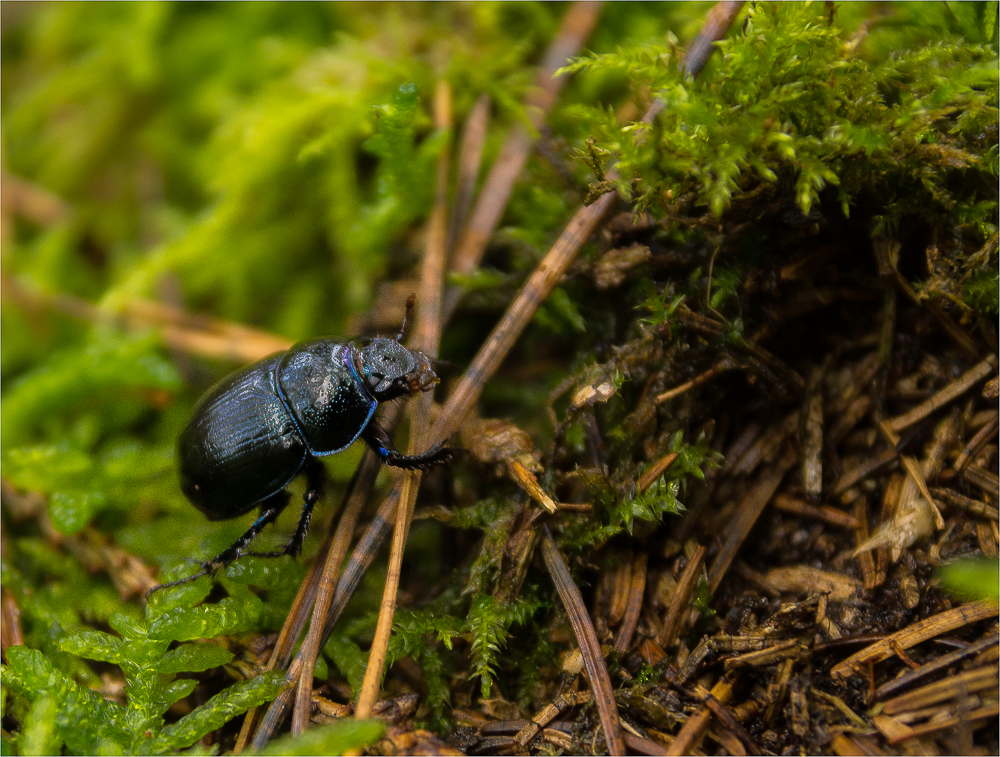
825 513
682 596
470 159
939 665
695 726
693 383
355 569
746 515
658 469
547 714
983 479
637 588
719 19
640 745
953 498
20 197
913 468
957 387
356 498
427 339
334 559
518 315
372 682
726 717
577 24
914 634
866 468
976 443
192 334
298 613
869 571
586 638
988 712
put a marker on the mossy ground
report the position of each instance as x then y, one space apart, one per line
807 233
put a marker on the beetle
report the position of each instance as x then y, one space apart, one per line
261 426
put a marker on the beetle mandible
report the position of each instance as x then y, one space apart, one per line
259 427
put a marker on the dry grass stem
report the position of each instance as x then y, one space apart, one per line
746 515
470 158
936 667
427 339
976 443
673 624
586 637
658 469
914 634
577 24
687 738
955 389
637 587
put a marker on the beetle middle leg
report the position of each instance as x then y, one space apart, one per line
380 443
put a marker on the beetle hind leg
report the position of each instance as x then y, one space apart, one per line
270 509
380 443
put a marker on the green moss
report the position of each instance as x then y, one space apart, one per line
63 712
789 105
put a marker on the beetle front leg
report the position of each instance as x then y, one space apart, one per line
379 441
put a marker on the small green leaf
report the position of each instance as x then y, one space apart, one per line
93 645
336 738
37 467
216 712
231 615
182 595
84 717
194 658
34 670
350 660
39 735
175 691
72 510
265 572
972 578
127 626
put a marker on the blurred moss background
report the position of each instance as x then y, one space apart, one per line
255 162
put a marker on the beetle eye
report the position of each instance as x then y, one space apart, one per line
374 380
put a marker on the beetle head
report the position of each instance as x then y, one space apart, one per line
390 370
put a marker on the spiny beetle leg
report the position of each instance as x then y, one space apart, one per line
379 441
206 569
270 509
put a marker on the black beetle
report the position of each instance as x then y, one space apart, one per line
258 428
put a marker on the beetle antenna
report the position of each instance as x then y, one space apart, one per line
436 363
410 302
